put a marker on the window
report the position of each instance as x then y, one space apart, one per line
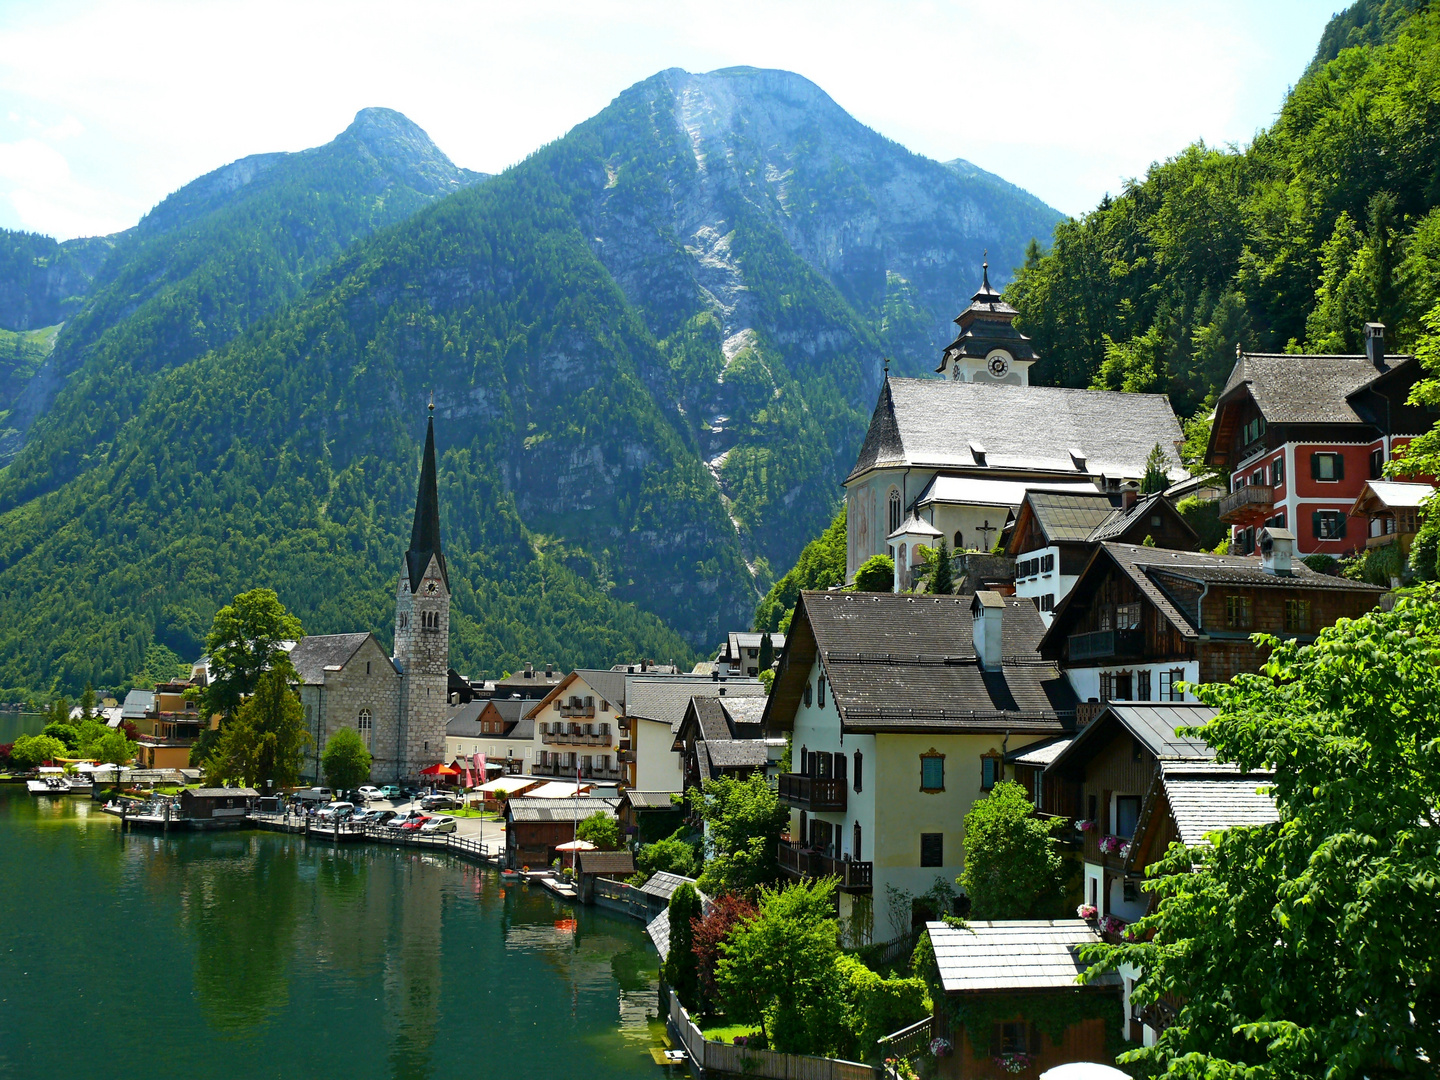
1014 1037
1130 890
932 773
1277 471
404 621
1107 686
1091 808
807 695
1327 467
820 691
1142 686
1252 431
838 764
367 667
1328 524
1297 616
855 844
1377 464
1127 616
589 702
932 849
1238 612
1127 815
1047 602
959 540
989 772
557 704
1047 564
859 761
1170 684
1124 686
366 725
894 509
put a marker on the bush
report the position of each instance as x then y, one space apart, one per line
1011 864
680 970
1203 515
876 574
601 830
346 760
876 1006
28 751
673 855
1322 563
67 733
715 927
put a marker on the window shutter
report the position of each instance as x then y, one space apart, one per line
859 763
839 766
1314 466
1340 526
1315 524
1339 468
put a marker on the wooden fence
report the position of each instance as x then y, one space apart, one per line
746 1061
344 830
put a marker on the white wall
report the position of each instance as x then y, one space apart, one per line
1086 680
1053 583
657 767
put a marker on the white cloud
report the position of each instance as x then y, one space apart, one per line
1064 98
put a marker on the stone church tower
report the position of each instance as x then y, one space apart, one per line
422 628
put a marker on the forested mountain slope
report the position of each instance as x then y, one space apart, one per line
1327 220
652 346
221 253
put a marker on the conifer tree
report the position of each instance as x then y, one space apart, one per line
942 580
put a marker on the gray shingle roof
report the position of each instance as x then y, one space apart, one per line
664 698
899 662
315 652
1203 803
1041 753
606 862
659 930
1027 954
1153 724
547 810
650 800
223 792
1306 389
737 753
137 704
663 884
1070 516
932 422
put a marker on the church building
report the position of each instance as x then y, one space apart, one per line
397 703
954 456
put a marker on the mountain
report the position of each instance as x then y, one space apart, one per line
44 282
221 253
1330 218
653 347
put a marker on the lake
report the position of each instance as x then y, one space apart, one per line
15 724
248 954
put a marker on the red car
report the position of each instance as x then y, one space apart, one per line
413 825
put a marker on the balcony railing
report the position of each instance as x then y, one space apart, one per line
813 793
1105 644
570 738
578 710
1245 502
798 862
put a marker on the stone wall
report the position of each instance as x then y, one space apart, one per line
367 681
422 649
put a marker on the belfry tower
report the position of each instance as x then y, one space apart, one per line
422 628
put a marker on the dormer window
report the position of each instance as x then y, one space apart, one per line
977 451
1077 458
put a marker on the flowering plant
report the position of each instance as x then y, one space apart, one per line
1014 1063
1113 845
1088 912
1085 826
940 1047
900 1068
1111 925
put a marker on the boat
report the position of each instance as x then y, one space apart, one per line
511 875
48 785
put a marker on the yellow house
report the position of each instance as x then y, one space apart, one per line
900 710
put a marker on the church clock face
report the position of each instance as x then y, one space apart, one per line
431 586
998 363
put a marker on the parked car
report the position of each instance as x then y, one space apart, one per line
415 824
389 791
437 802
399 821
370 791
314 795
440 823
335 811
371 817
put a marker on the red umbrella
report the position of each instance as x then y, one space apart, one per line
440 770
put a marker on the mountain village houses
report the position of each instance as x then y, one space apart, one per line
1083 610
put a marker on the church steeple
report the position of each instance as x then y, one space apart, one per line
988 349
425 531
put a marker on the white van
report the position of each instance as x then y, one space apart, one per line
315 794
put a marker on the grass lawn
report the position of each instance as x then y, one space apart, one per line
726 1032
471 813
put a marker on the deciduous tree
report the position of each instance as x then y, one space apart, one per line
600 829
743 820
346 760
1010 859
244 642
876 574
1307 948
32 750
265 742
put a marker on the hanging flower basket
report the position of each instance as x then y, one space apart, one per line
1014 1063
1085 826
1113 926
1113 845
940 1047
1088 912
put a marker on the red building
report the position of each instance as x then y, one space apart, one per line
1302 434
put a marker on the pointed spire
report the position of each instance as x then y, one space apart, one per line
425 531
984 273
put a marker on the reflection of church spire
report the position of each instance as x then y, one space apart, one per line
425 531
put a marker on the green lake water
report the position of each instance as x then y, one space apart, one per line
248 954
15 724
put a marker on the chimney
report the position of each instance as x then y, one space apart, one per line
1276 548
1129 493
988 607
1375 344
549 670
714 674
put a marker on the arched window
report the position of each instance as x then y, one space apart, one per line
804 760
366 725
959 540
855 851
894 509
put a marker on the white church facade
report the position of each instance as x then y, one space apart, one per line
396 702
953 456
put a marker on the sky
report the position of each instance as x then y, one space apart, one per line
107 107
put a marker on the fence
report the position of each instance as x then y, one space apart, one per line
746 1061
907 1042
622 897
344 830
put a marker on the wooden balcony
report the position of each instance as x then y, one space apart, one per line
813 793
1107 645
1246 502
800 863
568 738
586 711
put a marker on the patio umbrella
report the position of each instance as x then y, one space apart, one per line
576 845
1082 1070
440 770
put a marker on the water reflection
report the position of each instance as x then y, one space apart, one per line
346 960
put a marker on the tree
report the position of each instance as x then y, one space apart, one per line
346 760
1307 948
600 829
672 855
87 703
778 969
743 819
66 732
680 970
32 750
244 642
113 747
942 579
766 660
266 741
876 574
1421 456
709 932
1011 864
1157 472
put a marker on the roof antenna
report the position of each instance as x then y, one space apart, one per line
985 271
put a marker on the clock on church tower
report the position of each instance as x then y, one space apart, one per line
989 348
